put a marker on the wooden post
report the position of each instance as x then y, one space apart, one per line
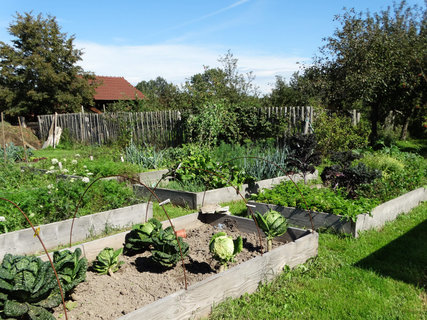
55 117
81 124
4 139
23 141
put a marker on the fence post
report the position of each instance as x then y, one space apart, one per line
81 124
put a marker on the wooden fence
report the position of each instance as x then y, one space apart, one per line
145 127
159 128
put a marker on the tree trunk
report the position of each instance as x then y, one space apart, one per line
404 132
374 117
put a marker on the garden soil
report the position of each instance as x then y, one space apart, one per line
13 134
140 281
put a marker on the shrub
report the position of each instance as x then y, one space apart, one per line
336 133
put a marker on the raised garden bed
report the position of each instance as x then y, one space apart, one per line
141 290
195 200
58 233
387 211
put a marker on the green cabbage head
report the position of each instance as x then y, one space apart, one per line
224 248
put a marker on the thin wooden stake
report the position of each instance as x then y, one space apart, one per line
4 139
23 141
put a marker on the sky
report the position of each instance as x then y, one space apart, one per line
175 39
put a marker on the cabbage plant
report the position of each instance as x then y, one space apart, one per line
166 248
139 238
224 248
28 288
107 261
273 224
71 268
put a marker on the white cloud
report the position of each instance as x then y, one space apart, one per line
176 63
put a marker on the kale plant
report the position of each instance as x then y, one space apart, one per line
303 155
344 175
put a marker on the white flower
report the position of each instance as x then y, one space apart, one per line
49 171
85 166
90 174
77 155
50 186
2 218
74 161
54 161
65 159
22 170
85 180
72 180
51 168
65 170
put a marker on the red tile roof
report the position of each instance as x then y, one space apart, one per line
115 88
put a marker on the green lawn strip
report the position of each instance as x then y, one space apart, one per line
172 210
377 276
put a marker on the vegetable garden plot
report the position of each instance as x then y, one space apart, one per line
140 289
387 211
195 200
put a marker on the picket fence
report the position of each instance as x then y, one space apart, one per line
158 128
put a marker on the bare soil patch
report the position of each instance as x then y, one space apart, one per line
140 281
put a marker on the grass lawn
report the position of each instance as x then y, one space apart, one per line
380 275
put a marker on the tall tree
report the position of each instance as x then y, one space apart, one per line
160 95
223 84
287 94
38 71
376 61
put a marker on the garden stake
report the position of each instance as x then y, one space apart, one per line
4 139
22 138
158 199
36 234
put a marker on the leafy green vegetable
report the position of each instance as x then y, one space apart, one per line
166 248
28 288
224 248
107 261
70 267
321 200
273 224
139 238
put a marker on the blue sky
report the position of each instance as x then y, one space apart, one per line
141 40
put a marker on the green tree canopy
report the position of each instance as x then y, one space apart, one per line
38 71
376 62
223 84
160 95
